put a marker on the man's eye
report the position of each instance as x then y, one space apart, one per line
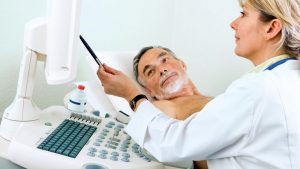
150 73
164 60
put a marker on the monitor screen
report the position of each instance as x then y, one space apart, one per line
62 38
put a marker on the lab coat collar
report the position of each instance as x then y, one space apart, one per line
267 63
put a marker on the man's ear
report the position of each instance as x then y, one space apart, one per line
148 91
183 64
274 28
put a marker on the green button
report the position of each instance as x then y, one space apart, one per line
48 124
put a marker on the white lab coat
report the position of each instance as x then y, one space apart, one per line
255 124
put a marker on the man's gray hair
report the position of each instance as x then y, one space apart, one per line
138 57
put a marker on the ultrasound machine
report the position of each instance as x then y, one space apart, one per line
55 137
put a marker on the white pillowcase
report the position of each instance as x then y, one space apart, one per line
121 61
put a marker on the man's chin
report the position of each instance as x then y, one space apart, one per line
171 94
173 90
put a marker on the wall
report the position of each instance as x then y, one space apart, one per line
105 24
197 30
203 38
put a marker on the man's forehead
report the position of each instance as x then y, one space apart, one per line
152 54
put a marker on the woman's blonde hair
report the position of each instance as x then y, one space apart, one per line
288 11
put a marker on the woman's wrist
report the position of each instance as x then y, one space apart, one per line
132 94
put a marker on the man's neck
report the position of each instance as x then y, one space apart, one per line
188 89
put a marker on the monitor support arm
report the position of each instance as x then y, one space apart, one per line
23 109
56 36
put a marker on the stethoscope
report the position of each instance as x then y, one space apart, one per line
279 63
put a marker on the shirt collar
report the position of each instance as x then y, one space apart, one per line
267 63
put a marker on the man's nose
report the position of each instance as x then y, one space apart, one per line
162 72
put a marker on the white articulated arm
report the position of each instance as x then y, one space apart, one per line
26 75
55 36
22 108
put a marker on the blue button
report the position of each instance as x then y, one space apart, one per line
125 159
124 146
114 143
96 113
123 149
91 154
128 142
120 126
110 146
96 144
126 155
92 149
147 159
101 137
135 150
111 123
103 156
108 126
117 129
99 140
115 139
141 155
116 133
114 158
103 152
105 130
114 153
135 146
103 133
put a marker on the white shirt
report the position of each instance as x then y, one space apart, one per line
255 124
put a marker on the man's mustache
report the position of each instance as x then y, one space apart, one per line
165 76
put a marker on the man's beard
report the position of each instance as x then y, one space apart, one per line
174 87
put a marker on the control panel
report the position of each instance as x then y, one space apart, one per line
63 140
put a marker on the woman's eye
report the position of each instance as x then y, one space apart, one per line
242 13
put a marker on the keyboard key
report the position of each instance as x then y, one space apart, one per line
114 153
125 159
103 152
103 156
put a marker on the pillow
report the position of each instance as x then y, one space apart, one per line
121 61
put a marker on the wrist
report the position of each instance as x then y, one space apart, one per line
136 100
138 103
132 93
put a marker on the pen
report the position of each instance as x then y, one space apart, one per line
90 50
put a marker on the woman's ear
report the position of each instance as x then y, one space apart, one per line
274 28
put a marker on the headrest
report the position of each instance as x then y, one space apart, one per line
121 61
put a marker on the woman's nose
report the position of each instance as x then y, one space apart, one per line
233 24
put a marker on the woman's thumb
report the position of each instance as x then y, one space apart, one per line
110 69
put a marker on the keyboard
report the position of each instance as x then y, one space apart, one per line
68 138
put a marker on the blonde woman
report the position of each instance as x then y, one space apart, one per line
255 124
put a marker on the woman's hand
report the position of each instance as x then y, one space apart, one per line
117 83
